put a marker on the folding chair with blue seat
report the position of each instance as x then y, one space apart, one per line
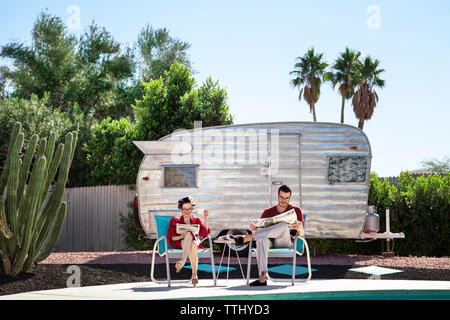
162 224
297 249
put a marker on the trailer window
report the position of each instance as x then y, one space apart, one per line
347 169
180 176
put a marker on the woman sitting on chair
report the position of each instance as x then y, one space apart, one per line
189 242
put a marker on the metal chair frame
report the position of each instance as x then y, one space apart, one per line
283 253
177 253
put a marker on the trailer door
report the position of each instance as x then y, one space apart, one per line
284 163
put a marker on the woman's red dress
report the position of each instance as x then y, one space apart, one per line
172 231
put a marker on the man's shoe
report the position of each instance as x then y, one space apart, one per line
239 240
258 283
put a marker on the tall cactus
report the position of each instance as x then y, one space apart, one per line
30 226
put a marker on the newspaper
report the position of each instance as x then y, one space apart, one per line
288 217
183 228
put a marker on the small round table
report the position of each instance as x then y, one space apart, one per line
228 242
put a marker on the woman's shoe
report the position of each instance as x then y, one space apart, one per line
258 283
178 266
194 281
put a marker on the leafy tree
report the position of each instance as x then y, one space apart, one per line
89 79
47 65
78 172
365 98
103 74
150 112
176 104
41 119
209 104
3 82
345 72
309 73
111 157
91 71
158 51
160 111
437 166
178 83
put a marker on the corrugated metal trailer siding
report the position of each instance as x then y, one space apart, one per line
235 191
93 222
334 211
243 191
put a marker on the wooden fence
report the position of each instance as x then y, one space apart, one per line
93 222
394 180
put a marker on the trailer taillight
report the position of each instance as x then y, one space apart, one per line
145 178
136 202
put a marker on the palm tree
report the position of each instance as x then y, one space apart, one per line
309 74
346 68
365 98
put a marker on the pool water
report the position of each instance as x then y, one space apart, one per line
347 295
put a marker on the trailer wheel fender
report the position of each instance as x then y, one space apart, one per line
136 220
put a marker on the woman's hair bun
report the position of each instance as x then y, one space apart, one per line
185 200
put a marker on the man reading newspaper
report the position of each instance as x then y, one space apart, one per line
288 217
276 221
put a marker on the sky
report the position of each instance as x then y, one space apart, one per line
251 46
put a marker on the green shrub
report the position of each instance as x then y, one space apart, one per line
131 234
36 116
111 156
419 207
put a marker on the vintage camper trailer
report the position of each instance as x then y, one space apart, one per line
235 171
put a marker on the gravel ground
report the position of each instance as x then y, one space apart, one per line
145 257
100 268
